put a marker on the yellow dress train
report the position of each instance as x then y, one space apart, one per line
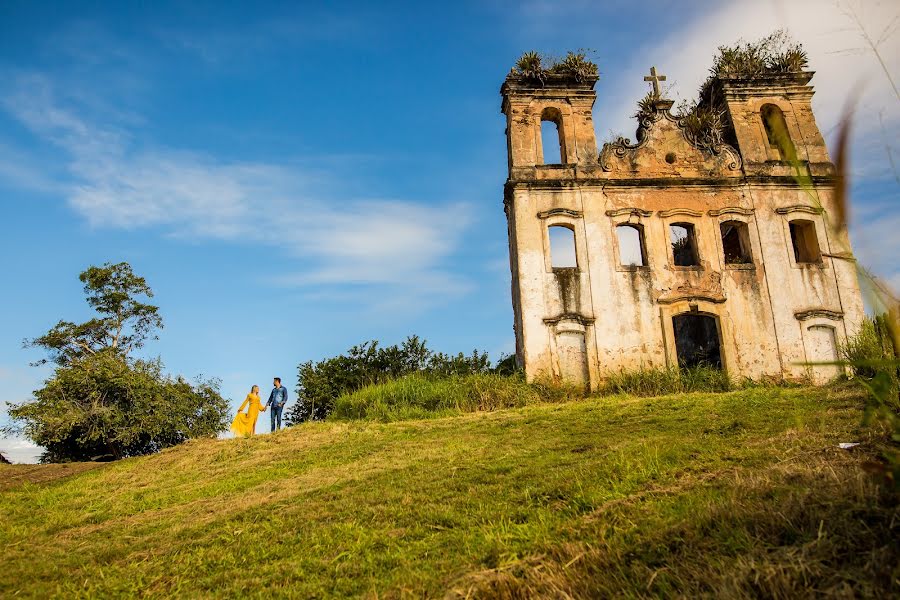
245 422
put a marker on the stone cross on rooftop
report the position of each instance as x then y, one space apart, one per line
655 79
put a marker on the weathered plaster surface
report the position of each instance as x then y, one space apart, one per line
581 324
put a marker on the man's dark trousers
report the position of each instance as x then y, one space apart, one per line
276 416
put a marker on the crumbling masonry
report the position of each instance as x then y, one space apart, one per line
684 253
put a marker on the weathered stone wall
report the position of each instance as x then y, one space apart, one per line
582 323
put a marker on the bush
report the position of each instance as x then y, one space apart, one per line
662 381
319 384
421 396
534 67
868 350
106 407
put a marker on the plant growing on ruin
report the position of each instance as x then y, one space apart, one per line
772 54
575 64
705 119
529 66
534 67
647 105
705 124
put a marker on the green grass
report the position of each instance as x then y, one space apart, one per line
422 396
659 381
741 494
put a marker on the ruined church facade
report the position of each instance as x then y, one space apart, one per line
679 252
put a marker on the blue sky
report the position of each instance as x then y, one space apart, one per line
294 179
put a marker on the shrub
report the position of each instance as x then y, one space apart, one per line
320 383
106 407
420 396
869 348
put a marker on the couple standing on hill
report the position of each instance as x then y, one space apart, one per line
245 422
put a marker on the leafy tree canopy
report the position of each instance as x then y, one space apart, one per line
101 403
124 322
105 407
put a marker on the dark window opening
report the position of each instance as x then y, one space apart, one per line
697 341
631 245
805 242
777 132
562 247
552 142
736 243
684 245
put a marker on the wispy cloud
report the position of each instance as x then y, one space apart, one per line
116 181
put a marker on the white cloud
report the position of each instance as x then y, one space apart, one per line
114 182
18 450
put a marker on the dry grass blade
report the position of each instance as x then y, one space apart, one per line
842 165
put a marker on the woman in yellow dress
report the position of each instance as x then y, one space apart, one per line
245 422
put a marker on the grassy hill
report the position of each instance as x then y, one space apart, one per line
729 495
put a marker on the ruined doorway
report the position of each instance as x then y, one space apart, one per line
697 340
821 347
572 352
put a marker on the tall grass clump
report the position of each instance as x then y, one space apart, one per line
667 380
420 396
871 351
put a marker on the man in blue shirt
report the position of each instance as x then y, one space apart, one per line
277 400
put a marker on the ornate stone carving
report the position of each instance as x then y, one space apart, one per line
813 210
566 212
731 210
638 212
708 289
824 313
621 146
583 320
688 212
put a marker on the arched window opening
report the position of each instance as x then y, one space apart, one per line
632 252
697 341
552 144
777 132
684 245
562 247
736 243
804 241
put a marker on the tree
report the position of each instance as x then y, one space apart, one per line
100 402
124 323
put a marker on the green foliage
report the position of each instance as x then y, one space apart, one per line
575 64
529 66
100 403
705 119
874 359
647 105
124 323
661 381
535 67
421 396
104 406
739 495
772 54
320 383
705 123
